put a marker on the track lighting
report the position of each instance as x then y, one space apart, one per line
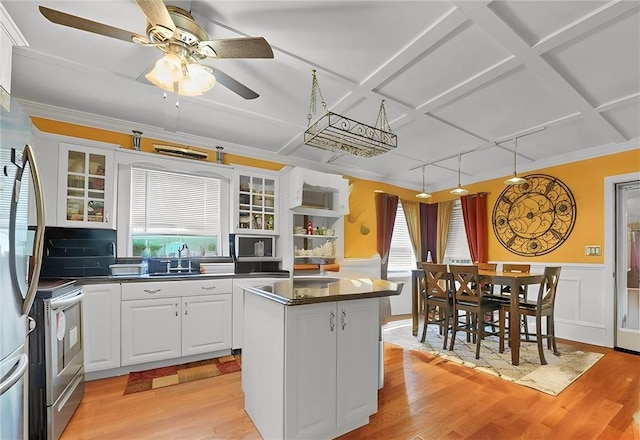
459 191
424 194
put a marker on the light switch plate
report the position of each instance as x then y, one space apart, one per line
593 250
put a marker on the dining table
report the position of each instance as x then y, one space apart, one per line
512 279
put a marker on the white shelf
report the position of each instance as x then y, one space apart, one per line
315 236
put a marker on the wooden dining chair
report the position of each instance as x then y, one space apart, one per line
437 299
543 306
469 298
505 290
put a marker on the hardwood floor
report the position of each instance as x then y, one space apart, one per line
424 397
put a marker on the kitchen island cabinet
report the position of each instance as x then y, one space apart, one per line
310 355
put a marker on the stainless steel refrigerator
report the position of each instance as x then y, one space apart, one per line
20 258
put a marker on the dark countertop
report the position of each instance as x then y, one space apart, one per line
324 288
174 277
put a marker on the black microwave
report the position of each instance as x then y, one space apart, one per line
252 247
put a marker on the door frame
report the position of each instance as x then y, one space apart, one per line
610 183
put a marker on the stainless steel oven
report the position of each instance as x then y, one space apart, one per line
56 367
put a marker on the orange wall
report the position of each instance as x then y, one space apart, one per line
584 178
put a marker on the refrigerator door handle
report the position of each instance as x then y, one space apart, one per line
22 364
38 242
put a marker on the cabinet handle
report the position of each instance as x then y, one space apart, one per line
344 319
208 287
152 290
186 310
332 320
106 216
176 309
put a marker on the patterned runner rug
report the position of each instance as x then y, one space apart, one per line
176 374
552 378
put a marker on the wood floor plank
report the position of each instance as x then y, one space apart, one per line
424 398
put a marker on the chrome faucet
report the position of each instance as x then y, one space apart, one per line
180 249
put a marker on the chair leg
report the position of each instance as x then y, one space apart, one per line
478 330
454 328
543 361
426 323
552 333
501 315
446 327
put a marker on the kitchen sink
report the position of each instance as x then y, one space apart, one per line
174 274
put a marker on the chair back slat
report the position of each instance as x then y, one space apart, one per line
522 268
487 266
548 287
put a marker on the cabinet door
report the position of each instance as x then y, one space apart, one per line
310 373
150 330
86 187
256 204
357 376
101 326
206 324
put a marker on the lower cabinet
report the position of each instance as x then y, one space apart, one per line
101 326
323 370
238 304
159 320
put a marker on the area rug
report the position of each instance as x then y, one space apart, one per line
177 374
552 378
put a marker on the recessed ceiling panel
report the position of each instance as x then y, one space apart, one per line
604 65
462 55
511 103
626 118
535 20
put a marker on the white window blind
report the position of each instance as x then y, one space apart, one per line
457 250
401 255
166 202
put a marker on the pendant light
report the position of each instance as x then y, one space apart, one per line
424 194
515 180
459 191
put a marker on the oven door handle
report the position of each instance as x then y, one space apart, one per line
20 369
66 302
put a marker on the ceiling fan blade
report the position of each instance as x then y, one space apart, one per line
158 15
90 26
233 84
248 47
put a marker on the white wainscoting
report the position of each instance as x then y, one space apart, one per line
581 302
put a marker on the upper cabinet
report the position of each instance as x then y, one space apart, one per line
256 203
312 191
10 36
86 187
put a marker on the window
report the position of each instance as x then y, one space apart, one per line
169 209
457 250
401 254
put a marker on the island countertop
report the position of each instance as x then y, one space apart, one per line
323 288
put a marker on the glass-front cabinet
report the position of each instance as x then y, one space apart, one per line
86 187
257 203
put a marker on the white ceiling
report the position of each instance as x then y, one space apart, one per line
456 77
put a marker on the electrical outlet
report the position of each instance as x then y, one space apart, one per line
592 250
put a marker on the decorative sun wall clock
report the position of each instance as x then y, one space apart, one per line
536 217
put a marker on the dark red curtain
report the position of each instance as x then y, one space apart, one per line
386 207
474 213
428 231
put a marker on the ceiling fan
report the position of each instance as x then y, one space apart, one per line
174 31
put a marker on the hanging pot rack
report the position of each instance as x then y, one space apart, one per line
335 132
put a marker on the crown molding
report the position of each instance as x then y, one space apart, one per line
10 29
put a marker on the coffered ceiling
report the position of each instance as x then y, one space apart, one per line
457 78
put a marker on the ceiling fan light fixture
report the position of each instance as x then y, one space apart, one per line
166 71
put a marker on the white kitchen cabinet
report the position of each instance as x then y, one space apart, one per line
256 202
171 319
317 190
101 326
151 330
322 374
10 36
86 187
206 323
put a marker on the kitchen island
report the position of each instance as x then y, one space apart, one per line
310 358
